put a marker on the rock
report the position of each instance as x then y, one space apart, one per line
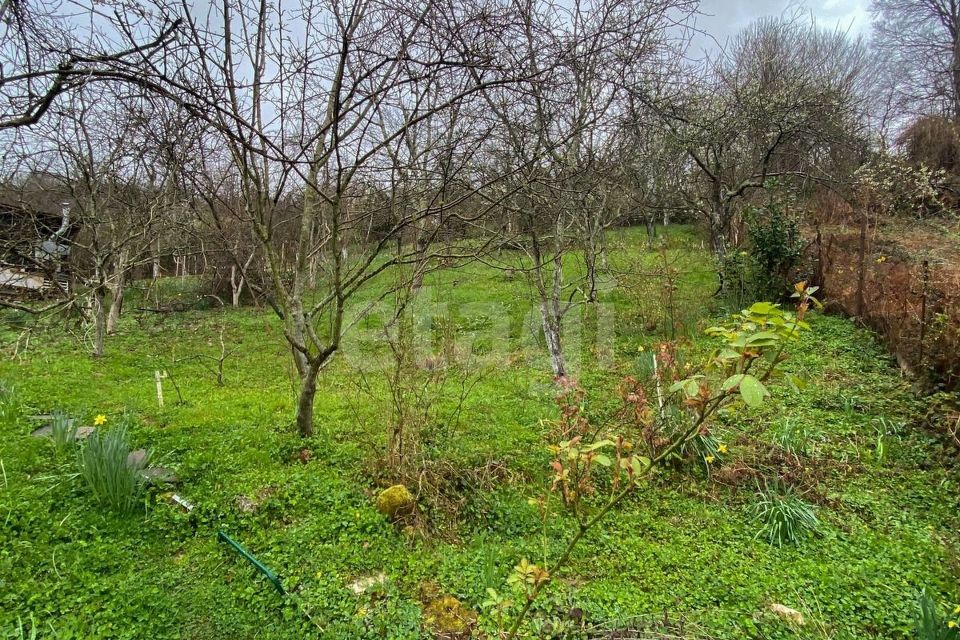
252 505
245 504
395 501
138 459
447 617
84 432
786 613
160 475
47 432
365 583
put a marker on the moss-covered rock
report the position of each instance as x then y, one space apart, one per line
395 501
447 617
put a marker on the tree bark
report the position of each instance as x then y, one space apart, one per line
99 320
116 306
308 391
551 333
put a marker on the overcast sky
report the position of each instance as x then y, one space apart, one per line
722 19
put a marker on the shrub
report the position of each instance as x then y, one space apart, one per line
783 516
104 464
775 248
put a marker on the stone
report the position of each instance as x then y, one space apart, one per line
245 504
786 613
364 583
395 501
160 475
46 431
84 432
138 459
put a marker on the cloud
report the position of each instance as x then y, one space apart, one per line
723 19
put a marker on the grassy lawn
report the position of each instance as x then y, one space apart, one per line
685 546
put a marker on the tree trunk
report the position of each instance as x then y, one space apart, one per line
590 257
99 320
308 391
116 306
551 333
651 230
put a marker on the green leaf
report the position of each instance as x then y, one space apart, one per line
762 339
753 391
603 460
732 381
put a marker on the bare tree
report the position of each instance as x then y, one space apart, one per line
918 42
310 105
91 150
556 129
42 55
777 104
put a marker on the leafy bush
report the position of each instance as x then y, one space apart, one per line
931 625
775 248
763 269
783 516
889 185
104 463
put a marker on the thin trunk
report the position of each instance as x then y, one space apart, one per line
116 306
551 332
99 320
308 391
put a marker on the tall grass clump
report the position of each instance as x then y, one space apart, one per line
11 407
931 624
63 431
115 481
783 516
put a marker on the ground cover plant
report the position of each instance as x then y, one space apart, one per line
685 555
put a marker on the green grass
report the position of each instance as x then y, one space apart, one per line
685 545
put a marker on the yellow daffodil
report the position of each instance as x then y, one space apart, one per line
100 419
722 448
709 459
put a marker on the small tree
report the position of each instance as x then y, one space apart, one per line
654 427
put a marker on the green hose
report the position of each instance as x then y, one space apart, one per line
262 568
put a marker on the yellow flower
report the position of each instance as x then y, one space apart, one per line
952 624
722 448
956 611
709 459
640 349
100 419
